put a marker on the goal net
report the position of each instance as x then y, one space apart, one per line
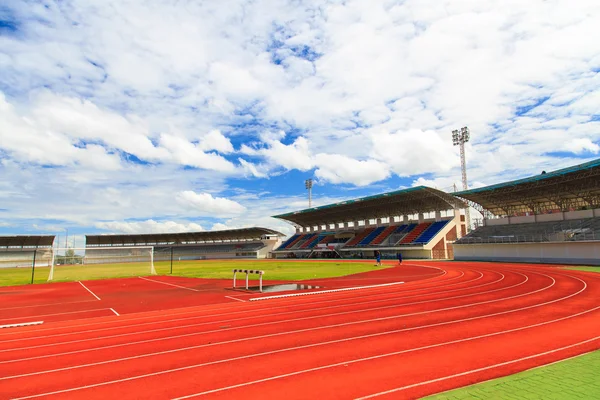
101 262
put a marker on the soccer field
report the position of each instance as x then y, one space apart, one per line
216 269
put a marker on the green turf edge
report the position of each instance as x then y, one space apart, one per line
583 268
575 378
208 269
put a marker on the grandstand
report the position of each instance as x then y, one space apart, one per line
552 217
225 244
22 250
419 222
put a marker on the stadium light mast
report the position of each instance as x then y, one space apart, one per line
308 184
459 138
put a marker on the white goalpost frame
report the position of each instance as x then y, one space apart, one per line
57 250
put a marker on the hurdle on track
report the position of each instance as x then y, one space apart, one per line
248 272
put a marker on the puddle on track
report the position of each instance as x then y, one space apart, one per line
283 287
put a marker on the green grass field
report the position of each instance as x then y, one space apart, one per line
588 269
576 378
215 269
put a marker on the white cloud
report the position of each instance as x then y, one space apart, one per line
579 146
215 140
207 205
184 152
358 92
148 226
336 168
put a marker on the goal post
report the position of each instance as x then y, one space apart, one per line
101 262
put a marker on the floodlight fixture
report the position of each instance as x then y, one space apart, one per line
459 138
308 184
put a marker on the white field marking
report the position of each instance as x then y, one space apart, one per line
302 371
22 324
195 309
169 284
85 287
247 326
233 298
285 296
235 319
50 315
229 313
46 305
473 371
290 332
116 313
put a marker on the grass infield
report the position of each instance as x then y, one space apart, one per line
575 378
215 269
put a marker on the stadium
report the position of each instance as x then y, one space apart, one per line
449 307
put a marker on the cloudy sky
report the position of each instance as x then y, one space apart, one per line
184 115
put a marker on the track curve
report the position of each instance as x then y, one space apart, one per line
449 325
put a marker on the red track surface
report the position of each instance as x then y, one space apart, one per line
445 328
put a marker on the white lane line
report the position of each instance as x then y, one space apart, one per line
113 310
50 315
374 358
239 312
473 371
195 310
169 284
285 296
303 330
275 322
301 371
233 298
22 324
86 288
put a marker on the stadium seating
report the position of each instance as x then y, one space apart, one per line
297 242
311 242
367 240
359 236
570 230
430 232
288 242
305 239
383 235
415 233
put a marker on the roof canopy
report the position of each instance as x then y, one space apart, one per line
401 202
565 189
179 238
12 242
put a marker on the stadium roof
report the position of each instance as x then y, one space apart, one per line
565 189
23 241
401 202
179 238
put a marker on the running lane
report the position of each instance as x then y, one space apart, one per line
473 322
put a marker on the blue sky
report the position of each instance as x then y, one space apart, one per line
178 116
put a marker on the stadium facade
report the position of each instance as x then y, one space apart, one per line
553 217
419 222
245 243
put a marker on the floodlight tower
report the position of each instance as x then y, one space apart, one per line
308 184
459 138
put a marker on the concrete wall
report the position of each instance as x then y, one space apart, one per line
581 253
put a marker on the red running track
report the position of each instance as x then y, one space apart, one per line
466 323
